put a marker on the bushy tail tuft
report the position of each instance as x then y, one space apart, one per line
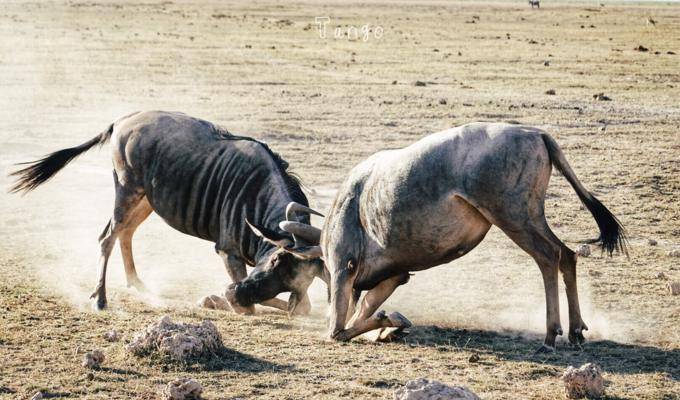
612 235
40 171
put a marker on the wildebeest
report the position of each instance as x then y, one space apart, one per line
432 202
535 3
208 183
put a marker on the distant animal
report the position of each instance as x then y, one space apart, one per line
535 3
208 183
651 21
432 202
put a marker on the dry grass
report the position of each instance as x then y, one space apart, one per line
69 69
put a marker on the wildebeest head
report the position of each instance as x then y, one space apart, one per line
290 266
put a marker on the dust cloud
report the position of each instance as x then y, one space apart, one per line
495 287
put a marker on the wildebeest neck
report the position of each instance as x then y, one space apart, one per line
272 187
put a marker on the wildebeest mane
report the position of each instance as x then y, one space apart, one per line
293 182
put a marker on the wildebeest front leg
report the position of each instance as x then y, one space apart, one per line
364 320
369 304
236 269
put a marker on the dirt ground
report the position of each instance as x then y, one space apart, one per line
68 69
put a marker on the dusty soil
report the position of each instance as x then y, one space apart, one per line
67 69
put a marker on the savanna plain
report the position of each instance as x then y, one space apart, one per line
68 69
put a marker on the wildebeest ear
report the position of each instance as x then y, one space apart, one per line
269 235
305 252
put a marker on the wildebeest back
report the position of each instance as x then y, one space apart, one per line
204 181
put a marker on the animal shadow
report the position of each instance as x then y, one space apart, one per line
515 346
227 359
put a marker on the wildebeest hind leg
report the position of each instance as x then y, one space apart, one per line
126 201
568 269
534 237
134 218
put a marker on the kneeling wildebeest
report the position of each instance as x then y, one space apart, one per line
432 202
208 183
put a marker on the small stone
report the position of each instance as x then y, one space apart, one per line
182 389
674 253
473 358
550 92
394 82
673 288
546 63
594 273
89 376
425 389
37 396
652 242
583 250
601 97
93 359
214 302
111 336
585 381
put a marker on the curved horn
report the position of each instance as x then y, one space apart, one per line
309 233
294 207
306 253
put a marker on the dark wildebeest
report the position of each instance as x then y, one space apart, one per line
208 183
434 201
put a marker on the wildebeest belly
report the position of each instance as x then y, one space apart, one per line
420 236
193 176
187 192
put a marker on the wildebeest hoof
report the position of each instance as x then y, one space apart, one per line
559 331
576 338
576 334
545 349
137 284
397 320
100 302
386 335
340 336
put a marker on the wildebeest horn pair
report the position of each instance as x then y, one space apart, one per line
306 237
308 233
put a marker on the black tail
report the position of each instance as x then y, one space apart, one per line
612 235
40 171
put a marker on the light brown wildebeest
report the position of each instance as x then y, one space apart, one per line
434 201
